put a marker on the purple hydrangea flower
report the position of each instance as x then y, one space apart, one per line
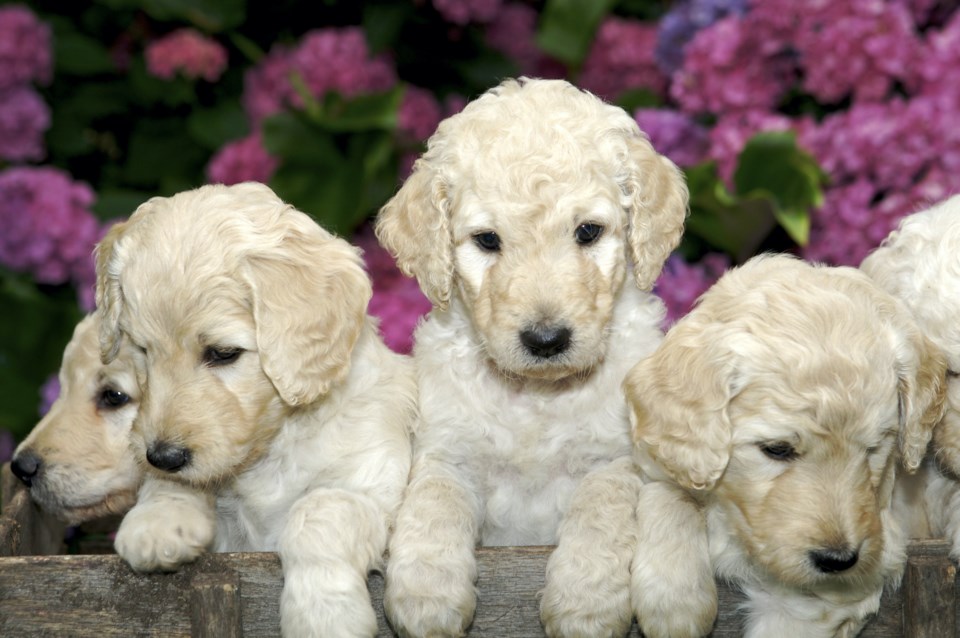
681 283
463 12
621 58
24 118
49 393
678 26
26 54
244 160
49 231
188 52
419 114
675 135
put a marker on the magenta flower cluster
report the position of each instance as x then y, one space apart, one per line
188 52
26 59
49 231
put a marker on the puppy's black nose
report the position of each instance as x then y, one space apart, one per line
545 341
168 457
25 466
832 561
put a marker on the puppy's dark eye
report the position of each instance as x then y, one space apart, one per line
488 241
221 356
588 233
952 374
110 399
779 450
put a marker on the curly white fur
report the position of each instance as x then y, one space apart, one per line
784 403
918 263
81 447
261 368
499 224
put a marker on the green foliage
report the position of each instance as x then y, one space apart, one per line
775 184
567 27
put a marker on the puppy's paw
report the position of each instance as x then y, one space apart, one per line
325 602
584 600
676 612
428 600
157 537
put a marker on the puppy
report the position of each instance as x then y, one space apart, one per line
266 387
784 403
918 264
77 460
536 222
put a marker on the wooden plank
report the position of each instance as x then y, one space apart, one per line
215 605
24 528
929 597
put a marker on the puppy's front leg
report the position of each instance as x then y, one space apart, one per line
587 589
672 583
170 525
330 542
432 567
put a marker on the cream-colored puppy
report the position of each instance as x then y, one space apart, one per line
784 403
536 222
77 460
919 264
265 385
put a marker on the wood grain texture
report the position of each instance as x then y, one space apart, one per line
232 595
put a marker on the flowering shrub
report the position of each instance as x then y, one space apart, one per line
809 127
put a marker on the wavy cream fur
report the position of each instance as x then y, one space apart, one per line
918 263
87 470
302 444
507 438
820 358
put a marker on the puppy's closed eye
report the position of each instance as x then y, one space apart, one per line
778 450
221 355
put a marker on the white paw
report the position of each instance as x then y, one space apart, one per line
154 537
429 601
583 600
325 602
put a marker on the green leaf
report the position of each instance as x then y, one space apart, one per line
161 151
77 54
634 99
361 113
216 126
116 203
772 165
209 15
383 23
567 27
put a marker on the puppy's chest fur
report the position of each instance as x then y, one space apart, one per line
525 447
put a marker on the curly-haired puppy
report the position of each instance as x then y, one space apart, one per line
536 222
265 386
77 460
918 263
784 403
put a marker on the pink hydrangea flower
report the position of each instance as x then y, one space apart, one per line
325 60
339 60
26 54
419 114
674 134
855 48
397 300
463 12
189 52
244 160
24 118
622 58
729 68
49 231
681 283
940 54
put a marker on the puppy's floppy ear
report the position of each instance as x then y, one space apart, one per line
922 392
109 296
415 227
659 199
309 296
679 397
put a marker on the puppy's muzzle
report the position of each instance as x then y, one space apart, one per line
834 561
546 341
168 457
26 467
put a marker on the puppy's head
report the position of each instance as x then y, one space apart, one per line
918 264
787 397
77 461
243 309
530 206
